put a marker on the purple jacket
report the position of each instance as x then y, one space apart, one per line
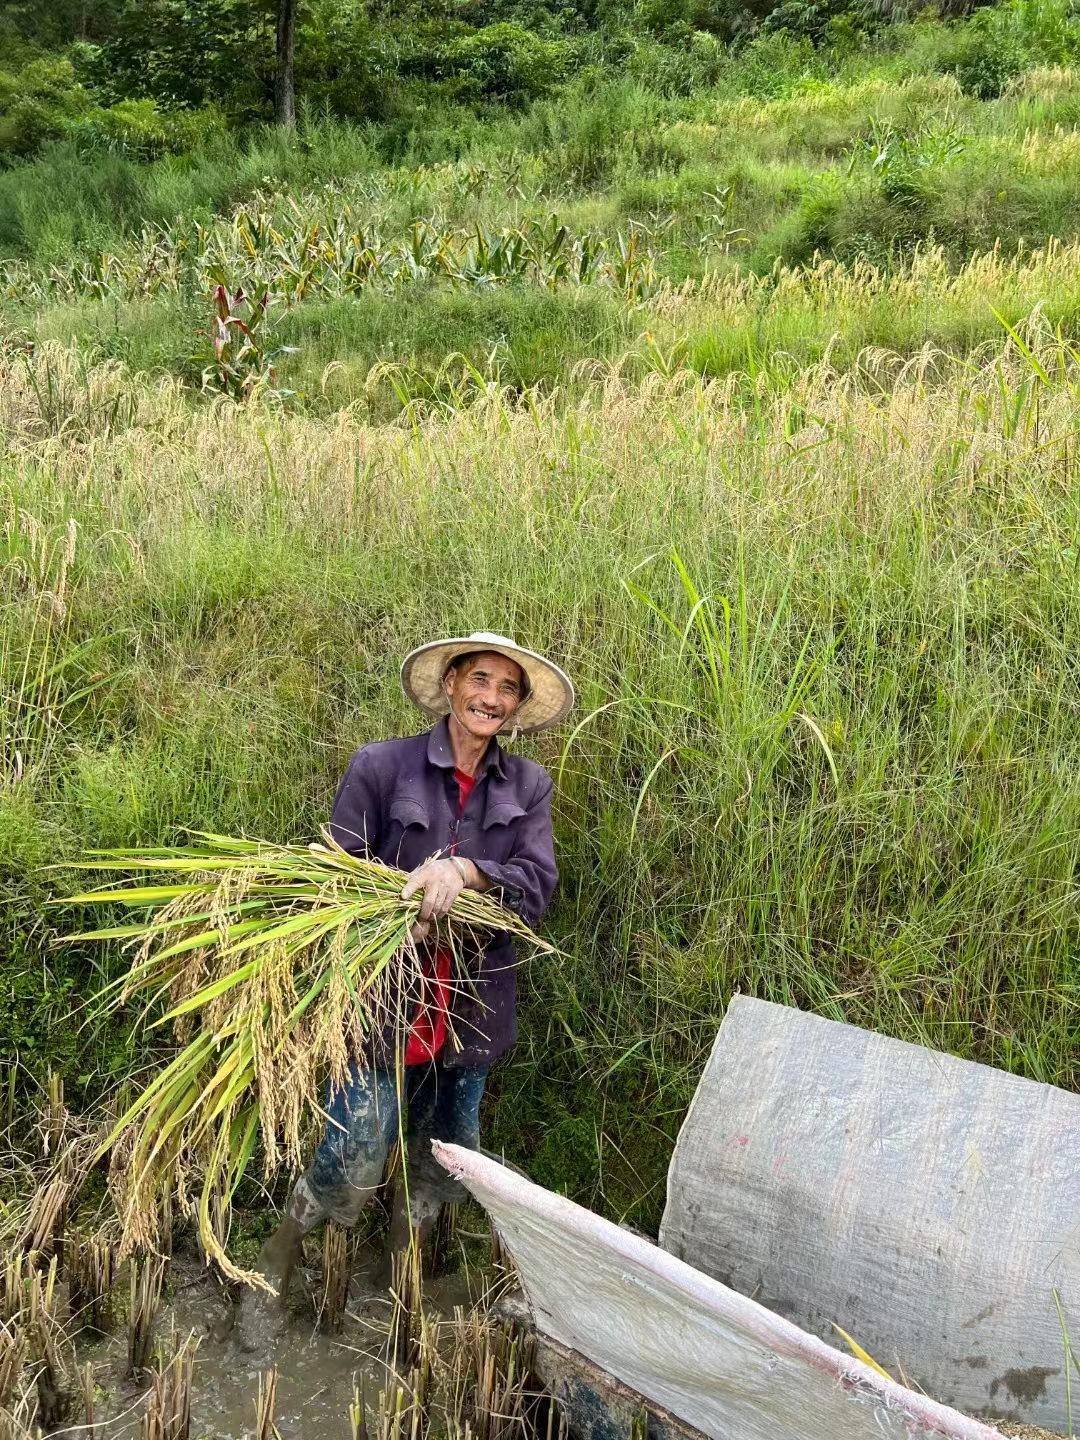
398 802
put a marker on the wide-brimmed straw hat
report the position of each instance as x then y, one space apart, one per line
550 692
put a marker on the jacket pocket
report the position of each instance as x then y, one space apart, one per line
407 810
505 812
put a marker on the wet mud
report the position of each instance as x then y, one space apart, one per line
318 1374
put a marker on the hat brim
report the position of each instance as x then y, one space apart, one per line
551 692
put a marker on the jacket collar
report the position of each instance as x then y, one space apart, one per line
441 753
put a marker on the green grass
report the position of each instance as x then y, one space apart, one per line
877 161
531 335
850 785
853 787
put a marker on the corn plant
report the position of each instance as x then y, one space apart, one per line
268 251
897 158
243 365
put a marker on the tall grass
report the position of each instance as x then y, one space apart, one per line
434 343
824 623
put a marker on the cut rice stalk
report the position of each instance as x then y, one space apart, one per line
275 966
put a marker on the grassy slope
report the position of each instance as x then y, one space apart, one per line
858 792
796 174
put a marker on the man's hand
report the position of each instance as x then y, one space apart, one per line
442 881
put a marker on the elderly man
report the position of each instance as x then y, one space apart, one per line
457 811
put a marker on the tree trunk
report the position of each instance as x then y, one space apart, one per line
284 91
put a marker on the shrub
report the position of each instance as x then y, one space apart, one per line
37 104
986 59
999 42
697 61
44 102
824 22
775 64
499 62
140 129
188 53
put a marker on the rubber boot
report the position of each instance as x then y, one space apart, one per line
406 1229
279 1255
264 1316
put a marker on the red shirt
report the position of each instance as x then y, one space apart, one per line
428 1034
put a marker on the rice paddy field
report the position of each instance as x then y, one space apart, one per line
756 410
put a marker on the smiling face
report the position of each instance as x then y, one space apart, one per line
484 691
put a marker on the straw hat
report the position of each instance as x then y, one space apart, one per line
550 692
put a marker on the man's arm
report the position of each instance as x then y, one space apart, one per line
527 879
356 820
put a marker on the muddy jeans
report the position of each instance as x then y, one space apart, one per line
443 1104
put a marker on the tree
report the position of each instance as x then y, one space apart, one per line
284 88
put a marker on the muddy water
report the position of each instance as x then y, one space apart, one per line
317 1373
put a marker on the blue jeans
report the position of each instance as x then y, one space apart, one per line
443 1104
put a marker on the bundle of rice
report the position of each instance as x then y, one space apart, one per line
274 964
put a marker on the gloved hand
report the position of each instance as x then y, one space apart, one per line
442 881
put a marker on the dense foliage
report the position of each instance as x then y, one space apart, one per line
152 77
838 761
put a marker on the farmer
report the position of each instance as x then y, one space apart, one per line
457 811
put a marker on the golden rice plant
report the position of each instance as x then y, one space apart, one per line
274 964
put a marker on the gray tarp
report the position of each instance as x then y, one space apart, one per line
714 1359
929 1205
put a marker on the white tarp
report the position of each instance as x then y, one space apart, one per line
715 1359
929 1205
